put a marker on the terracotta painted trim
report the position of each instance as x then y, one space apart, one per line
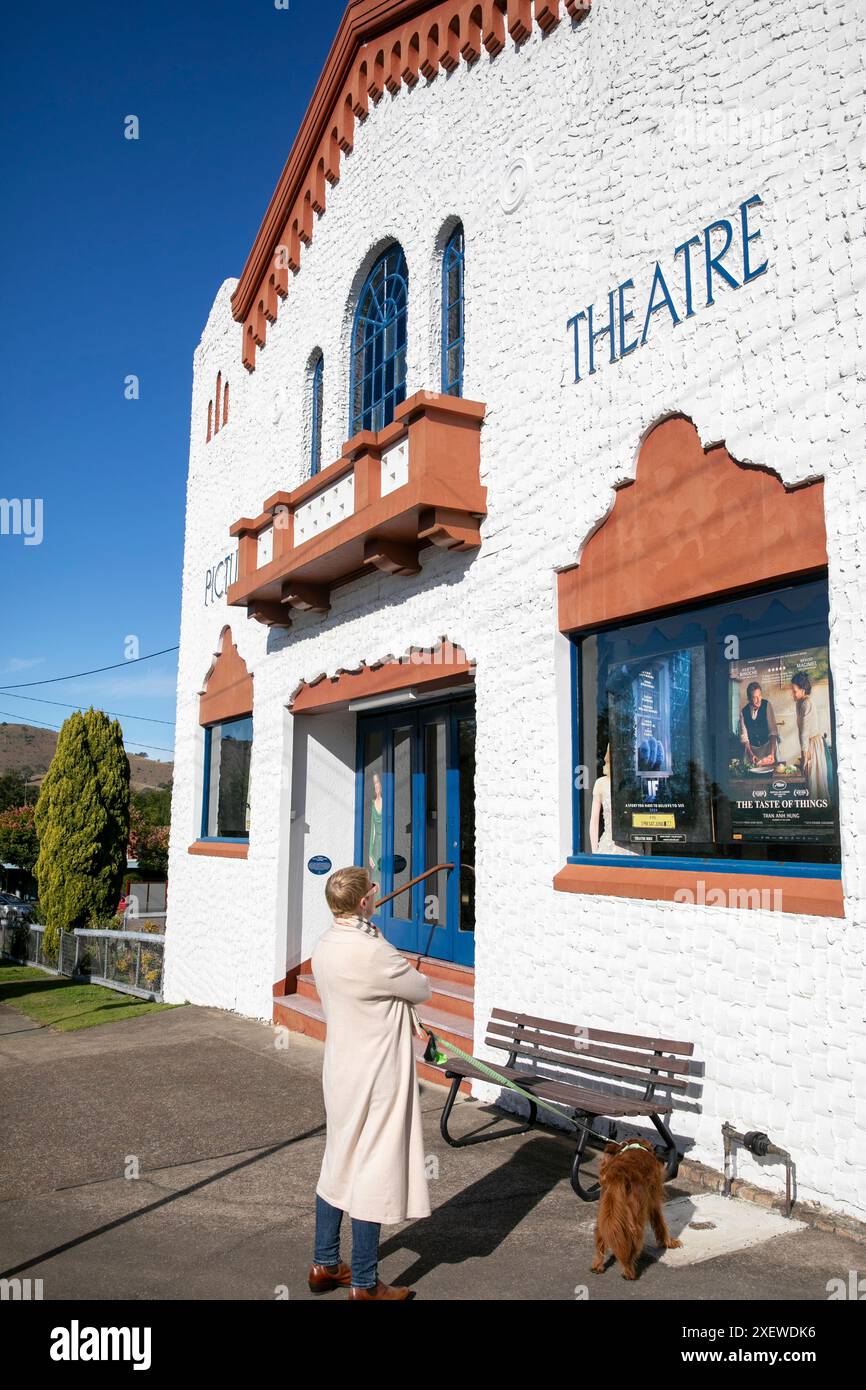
676 534
220 849
380 45
810 897
427 667
289 983
441 409
441 503
227 692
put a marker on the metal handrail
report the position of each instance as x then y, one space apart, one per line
411 884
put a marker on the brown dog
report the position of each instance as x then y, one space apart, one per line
632 1193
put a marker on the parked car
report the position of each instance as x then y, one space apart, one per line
15 910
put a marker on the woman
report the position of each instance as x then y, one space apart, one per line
813 750
373 1167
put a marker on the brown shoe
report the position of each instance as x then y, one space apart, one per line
324 1278
381 1291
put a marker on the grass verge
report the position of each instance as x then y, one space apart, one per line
54 1002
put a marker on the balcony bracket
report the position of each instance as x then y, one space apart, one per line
391 557
271 614
306 598
449 530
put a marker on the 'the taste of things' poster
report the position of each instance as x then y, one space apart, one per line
781 779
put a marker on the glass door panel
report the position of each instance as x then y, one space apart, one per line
466 766
435 891
373 802
416 805
402 821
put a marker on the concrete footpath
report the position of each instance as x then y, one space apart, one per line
176 1156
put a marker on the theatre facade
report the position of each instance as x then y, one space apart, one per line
524 549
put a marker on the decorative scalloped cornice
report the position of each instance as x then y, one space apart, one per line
429 666
227 692
736 526
380 45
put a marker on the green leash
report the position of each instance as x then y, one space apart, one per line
433 1053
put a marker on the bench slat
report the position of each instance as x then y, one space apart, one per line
593 1102
642 1062
588 1064
680 1049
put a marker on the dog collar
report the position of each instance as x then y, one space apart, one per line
626 1148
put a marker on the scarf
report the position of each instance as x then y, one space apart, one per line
361 923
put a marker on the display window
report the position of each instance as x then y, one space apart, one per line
708 733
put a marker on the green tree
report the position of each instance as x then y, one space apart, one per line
82 820
12 790
19 844
153 804
148 844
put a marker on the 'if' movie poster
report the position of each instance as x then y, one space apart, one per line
781 781
657 711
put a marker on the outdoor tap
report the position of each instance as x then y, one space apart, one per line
760 1145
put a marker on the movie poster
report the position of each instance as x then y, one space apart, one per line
657 720
780 777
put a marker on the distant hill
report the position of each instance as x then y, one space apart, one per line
29 751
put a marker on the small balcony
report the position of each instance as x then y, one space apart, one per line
391 493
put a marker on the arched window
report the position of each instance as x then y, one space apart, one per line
452 314
379 344
317 397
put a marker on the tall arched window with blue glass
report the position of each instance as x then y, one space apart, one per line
317 400
453 263
379 344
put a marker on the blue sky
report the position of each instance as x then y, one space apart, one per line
111 253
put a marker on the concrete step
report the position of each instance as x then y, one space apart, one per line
450 1027
304 1015
448 997
444 975
452 996
300 1015
447 970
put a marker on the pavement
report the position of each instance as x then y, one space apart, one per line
176 1156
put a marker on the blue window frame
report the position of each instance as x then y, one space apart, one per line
705 739
226 798
378 367
317 399
452 314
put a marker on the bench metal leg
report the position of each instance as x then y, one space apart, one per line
586 1194
672 1156
456 1078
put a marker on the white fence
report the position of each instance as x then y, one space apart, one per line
129 960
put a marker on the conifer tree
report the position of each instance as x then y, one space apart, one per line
82 819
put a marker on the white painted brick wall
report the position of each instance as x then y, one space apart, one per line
639 127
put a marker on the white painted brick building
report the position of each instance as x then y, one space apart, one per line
575 160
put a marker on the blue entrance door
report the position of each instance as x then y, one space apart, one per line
415 809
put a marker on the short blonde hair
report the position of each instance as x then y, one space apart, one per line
346 888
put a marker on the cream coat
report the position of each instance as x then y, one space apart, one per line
373 1166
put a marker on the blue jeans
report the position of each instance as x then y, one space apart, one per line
365 1244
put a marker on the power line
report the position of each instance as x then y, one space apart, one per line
97 671
61 704
154 747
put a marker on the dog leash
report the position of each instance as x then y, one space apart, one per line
433 1053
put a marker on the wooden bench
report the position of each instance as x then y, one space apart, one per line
613 1075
